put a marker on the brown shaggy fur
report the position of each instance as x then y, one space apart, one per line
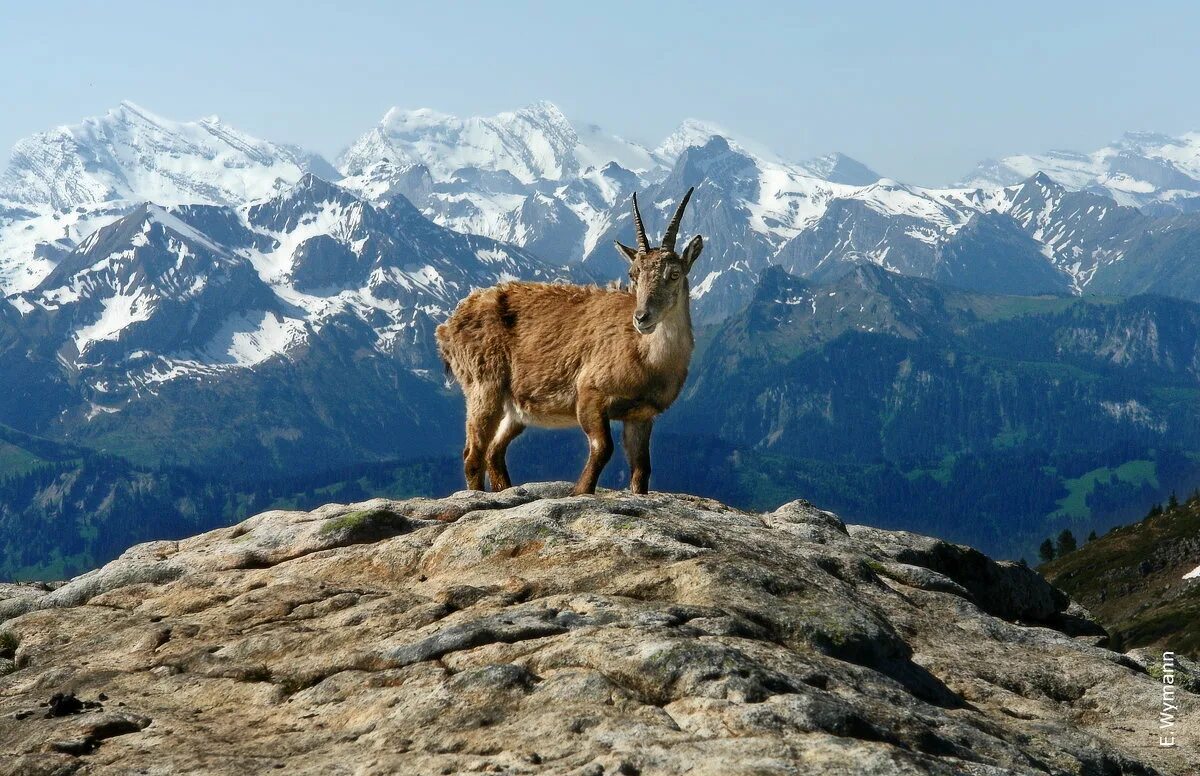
561 355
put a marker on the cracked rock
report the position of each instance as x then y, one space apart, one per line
532 632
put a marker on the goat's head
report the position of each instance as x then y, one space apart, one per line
658 273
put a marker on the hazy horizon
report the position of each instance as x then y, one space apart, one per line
920 95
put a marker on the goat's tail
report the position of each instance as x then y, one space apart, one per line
442 339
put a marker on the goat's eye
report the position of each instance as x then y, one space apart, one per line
673 273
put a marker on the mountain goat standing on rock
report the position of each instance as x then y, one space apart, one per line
537 354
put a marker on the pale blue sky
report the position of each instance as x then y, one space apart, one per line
919 91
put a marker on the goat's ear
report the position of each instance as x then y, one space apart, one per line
626 251
692 251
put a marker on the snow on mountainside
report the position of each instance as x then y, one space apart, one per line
197 289
533 179
534 143
754 213
839 168
529 176
132 154
62 185
1141 169
1029 238
690 133
518 178
834 167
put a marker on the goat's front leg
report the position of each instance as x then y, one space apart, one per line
636 439
593 419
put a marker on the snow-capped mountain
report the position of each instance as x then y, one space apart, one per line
165 293
1033 237
531 178
1142 169
517 178
62 185
200 273
755 213
132 154
834 167
532 144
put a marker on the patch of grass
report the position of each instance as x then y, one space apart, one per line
1131 580
1171 625
15 461
1074 504
998 308
877 567
355 520
942 473
1012 438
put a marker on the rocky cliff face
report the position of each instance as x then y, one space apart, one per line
528 632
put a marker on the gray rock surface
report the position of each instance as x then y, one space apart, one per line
529 632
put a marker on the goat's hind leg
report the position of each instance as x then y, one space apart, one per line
509 429
484 411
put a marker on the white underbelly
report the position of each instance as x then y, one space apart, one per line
514 412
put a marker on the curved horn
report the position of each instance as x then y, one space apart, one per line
643 244
668 241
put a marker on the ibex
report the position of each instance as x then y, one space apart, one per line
555 356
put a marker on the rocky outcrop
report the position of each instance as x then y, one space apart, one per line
529 632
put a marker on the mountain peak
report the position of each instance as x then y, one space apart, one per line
132 154
536 142
544 108
1040 178
1040 185
836 167
1141 169
129 107
531 143
690 133
313 189
889 184
397 116
313 182
1140 138
877 279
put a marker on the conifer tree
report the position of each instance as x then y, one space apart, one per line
1066 543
